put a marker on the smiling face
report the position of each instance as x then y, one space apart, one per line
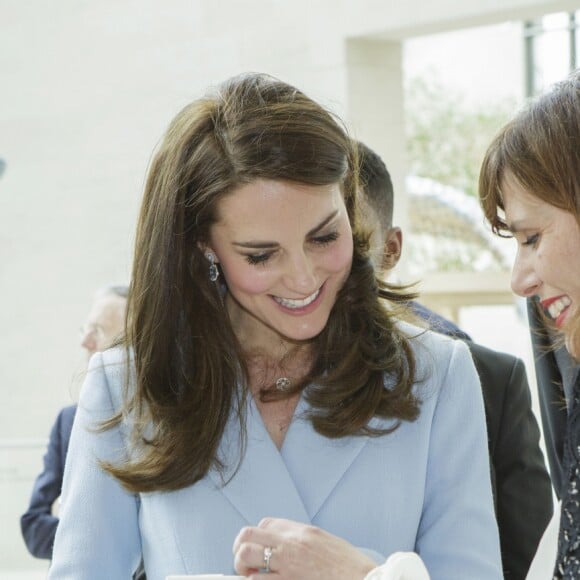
547 263
285 250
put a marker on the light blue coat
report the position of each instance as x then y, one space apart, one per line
425 487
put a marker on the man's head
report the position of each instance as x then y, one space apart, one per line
377 187
106 320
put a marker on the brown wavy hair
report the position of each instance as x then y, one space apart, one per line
188 364
540 149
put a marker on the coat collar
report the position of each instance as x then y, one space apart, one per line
292 483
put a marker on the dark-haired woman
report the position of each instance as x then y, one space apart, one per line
270 413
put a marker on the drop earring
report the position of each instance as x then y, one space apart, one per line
214 273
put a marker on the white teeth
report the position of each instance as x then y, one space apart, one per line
556 308
297 303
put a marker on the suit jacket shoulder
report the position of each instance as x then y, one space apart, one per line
37 524
65 422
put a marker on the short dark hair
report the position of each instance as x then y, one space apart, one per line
120 290
376 185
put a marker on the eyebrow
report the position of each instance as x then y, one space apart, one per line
266 245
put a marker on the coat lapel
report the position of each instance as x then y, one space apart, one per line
316 463
292 483
262 486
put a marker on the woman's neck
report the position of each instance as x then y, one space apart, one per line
259 340
279 369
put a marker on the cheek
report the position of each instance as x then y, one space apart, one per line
560 265
572 266
340 259
247 279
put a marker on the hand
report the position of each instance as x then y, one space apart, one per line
299 552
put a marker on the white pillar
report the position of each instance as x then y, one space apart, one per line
375 112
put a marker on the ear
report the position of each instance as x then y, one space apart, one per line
206 249
392 248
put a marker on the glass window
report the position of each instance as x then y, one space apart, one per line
552 49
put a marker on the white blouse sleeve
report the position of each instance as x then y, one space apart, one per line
400 566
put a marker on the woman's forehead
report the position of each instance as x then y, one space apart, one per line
266 208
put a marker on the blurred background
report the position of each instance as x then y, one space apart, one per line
87 89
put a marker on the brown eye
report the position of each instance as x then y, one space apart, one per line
327 239
255 259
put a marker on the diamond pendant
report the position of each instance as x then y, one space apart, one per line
283 383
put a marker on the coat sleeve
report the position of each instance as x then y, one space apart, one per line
98 535
458 536
38 525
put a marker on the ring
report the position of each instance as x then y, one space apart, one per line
267 556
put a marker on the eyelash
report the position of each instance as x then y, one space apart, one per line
256 259
532 240
326 239
261 259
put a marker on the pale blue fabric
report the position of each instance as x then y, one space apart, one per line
424 488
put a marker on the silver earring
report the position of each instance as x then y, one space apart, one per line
214 273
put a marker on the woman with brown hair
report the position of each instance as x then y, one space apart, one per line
530 190
270 414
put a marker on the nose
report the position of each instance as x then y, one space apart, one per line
300 276
524 281
88 341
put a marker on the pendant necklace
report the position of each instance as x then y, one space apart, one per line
283 383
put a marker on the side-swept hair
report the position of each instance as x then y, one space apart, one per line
190 370
540 148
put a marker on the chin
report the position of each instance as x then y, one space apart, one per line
303 334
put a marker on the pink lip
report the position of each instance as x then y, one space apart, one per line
304 310
545 304
559 322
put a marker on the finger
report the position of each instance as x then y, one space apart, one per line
278 524
283 528
254 535
254 558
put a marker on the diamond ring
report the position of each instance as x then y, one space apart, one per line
267 556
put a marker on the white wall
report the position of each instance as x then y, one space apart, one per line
86 89
395 19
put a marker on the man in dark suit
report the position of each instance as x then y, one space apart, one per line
38 524
556 375
520 482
